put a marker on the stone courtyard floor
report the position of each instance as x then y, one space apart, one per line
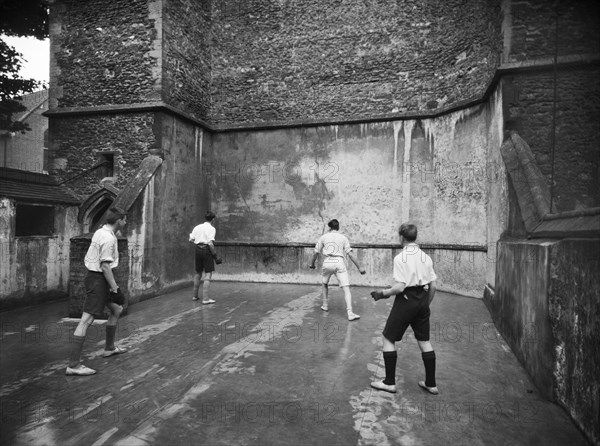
265 366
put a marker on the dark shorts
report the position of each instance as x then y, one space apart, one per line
204 260
413 312
96 293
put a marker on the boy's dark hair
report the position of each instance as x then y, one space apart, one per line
334 224
209 216
114 214
408 231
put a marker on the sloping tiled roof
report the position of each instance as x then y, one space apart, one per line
33 187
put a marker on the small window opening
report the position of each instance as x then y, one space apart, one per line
108 168
34 220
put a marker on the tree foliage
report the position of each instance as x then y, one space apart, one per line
19 18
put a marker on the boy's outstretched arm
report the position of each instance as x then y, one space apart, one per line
355 261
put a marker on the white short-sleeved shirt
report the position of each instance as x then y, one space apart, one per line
333 244
103 248
203 233
413 267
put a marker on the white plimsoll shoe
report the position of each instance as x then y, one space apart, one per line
80 370
116 351
352 316
432 390
379 385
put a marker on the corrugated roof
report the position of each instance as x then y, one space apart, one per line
33 187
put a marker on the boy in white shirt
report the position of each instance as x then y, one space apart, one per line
334 247
414 289
203 236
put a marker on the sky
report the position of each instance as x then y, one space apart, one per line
36 55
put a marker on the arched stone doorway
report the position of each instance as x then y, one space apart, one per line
95 206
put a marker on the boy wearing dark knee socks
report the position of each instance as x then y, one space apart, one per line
101 292
414 289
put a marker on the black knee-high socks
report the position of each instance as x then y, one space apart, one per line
389 359
429 362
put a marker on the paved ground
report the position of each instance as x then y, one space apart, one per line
265 366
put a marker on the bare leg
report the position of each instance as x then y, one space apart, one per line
85 321
111 327
75 366
197 282
348 298
325 289
388 346
425 346
206 288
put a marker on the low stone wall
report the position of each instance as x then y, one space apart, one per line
460 269
546 305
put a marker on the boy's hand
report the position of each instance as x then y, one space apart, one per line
312 266
377 295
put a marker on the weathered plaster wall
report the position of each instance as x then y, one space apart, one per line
34 268
285 185
281 187
574 307
459 271
547 306
497 187
302 60
519 307
173 202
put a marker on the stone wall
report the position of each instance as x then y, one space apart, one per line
77 142
187 56
103 55
576 130
308 60
533 27
535 32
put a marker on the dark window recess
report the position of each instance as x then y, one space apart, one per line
108 168
34 220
